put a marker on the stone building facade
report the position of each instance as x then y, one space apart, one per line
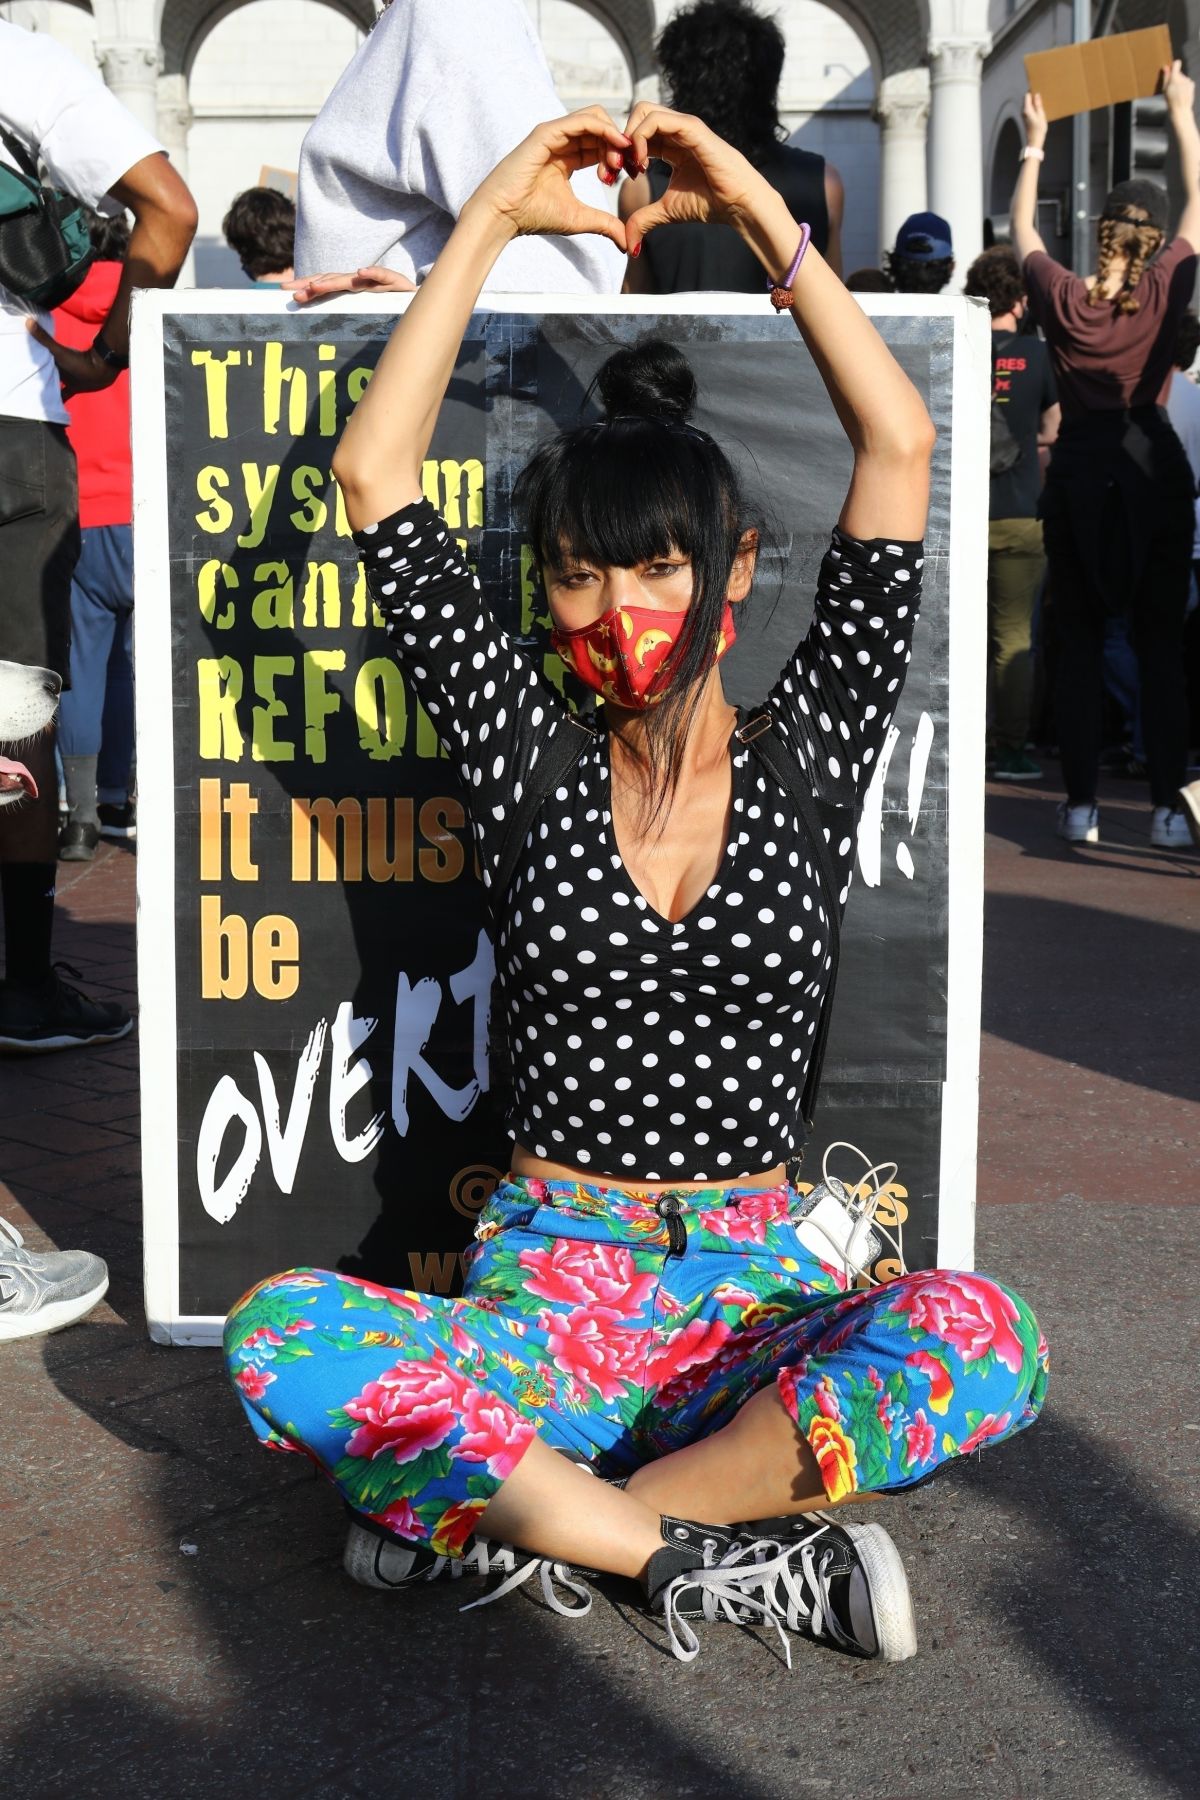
917 101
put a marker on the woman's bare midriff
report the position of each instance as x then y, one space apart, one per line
540 1168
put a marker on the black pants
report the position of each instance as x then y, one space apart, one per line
39 543
1131 552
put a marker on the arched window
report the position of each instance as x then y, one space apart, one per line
258 80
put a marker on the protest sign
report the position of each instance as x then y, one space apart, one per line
1102 72
314 968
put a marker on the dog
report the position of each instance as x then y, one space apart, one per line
28 703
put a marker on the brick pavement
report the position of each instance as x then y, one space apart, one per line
174 1620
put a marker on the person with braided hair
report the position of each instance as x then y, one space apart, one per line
1117 507
1128 233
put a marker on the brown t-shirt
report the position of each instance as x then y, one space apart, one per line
1105 360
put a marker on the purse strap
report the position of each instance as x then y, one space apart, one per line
757 732
559 754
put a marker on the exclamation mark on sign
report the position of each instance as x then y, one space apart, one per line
918 763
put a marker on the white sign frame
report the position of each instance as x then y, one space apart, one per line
967 578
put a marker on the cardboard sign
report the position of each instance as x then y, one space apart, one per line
314 974
1106 70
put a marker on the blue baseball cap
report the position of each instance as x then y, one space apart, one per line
924 237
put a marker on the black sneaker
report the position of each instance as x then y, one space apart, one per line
77 841
56 1016
377 1558
118 821
840 1584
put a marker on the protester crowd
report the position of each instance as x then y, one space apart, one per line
1093 542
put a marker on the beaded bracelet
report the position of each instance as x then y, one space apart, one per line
781 291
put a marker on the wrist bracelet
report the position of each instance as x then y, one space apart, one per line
101 349
1031 150
781 291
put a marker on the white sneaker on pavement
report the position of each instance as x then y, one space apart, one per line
1079 824
43 1291
1171 829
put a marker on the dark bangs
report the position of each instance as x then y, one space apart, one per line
630 491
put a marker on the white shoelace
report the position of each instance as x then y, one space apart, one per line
484 1558
735 1588
547 1572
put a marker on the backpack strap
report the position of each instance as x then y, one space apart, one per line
24 160
757 732
561 753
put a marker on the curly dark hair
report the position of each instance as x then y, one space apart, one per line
722 60
109 234
260 228
911 277
996 277
868 281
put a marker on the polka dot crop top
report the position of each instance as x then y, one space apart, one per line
642 1048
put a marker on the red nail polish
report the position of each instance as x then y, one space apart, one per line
637 249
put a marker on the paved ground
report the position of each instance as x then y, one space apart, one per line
175 1622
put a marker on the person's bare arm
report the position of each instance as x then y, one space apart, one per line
1023 207
835 206
377 463
1048 426
881 411
1180 91
164 224
632 195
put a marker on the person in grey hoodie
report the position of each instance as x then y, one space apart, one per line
436 95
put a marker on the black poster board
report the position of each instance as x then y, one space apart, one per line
314 968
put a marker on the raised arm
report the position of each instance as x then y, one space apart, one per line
1180 93
378 461
881 412
1023 206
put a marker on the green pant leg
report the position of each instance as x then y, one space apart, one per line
1016 561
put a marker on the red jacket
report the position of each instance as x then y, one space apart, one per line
99 428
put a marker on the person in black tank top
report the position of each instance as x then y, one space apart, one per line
680 258
722 61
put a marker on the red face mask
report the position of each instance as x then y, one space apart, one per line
625 654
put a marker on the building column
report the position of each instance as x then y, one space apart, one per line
130 72
174 120
956 142
902 112
174 124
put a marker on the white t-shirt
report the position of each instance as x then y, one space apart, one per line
437 93
65 116
1183 410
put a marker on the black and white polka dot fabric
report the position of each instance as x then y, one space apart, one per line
646 1049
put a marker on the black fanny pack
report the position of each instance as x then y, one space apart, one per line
45 245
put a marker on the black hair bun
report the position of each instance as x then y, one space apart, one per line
650 380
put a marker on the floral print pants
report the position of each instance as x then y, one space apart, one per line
591 1322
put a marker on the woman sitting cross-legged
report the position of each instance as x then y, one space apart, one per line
639 1303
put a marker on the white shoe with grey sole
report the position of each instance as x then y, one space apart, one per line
43 1291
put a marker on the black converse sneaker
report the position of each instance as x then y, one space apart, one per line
841 1584
375 1558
